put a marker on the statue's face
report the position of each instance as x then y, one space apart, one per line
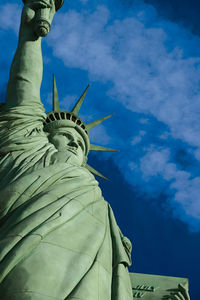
70 145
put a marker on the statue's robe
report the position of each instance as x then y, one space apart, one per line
58 236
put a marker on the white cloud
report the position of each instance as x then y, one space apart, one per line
137 139
187 188
10 17
154 162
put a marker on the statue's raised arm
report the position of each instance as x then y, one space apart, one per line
27 66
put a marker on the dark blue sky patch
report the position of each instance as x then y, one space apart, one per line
184 13
184 159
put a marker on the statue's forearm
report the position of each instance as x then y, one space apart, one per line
26 72
27 66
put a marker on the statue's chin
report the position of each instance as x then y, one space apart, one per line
66 157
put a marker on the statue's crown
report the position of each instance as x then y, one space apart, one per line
63 118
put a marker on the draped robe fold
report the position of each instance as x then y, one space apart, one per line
58 236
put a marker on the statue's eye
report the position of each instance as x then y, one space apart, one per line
81 145
68 135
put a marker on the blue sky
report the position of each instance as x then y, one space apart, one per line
142 59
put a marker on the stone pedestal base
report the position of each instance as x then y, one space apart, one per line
155 287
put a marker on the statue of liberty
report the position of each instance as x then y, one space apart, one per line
58 236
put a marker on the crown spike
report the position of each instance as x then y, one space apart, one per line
56 106
97 122
100 148
92 170
77 106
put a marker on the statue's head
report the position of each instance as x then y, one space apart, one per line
71 140
70 145
69 134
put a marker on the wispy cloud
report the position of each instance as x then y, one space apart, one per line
10 16
185 200
137 139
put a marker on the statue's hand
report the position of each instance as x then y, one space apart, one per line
38 15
